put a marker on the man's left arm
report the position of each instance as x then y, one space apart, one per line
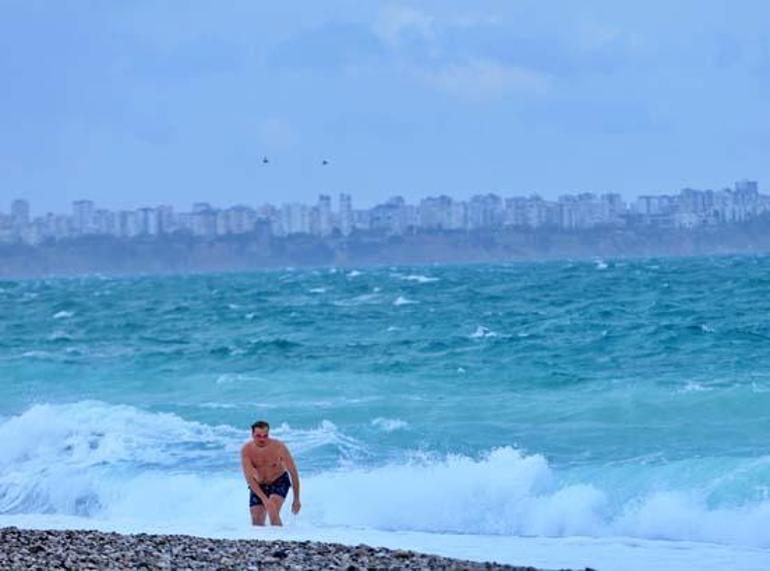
292 468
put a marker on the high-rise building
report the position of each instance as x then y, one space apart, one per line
104 222
148 221
83 216
436 213
324 215
242 219
346 214
19 214
166 220
296 218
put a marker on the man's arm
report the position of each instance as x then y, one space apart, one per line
288 462
251 475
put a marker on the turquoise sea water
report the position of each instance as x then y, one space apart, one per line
619 398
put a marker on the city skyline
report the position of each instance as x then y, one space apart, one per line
690 208
311 197
126 103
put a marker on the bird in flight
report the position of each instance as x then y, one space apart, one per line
324 162
265 160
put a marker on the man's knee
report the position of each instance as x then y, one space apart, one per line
258 515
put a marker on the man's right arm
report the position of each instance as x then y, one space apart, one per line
252 478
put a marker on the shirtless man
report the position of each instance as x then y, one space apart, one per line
267 465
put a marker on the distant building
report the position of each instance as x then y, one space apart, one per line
204 220
20 214
128 224
105 222
390 216
346 214
242 219
324 215
166 219
149 222
296 218
435 213
83 217
485 211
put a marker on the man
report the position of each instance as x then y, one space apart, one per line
267 465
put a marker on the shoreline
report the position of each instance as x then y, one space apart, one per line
90 549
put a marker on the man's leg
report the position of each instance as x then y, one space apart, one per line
258 515
277 502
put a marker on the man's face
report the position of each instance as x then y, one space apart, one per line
260 436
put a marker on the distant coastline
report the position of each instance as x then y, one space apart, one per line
184 253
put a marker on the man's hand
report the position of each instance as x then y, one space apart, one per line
296 506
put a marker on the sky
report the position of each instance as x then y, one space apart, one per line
172 102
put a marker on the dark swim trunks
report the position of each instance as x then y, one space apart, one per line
278 486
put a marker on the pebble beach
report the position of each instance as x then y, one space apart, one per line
77 549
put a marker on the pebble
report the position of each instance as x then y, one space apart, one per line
34 549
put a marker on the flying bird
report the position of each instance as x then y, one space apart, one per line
324 162
265 160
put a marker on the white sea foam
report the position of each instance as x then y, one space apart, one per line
63 314
482 332
38 355
601 265
389 424
354 274
60 336
401 300
694 387
234 378
317 290
359 300
116 464
420 279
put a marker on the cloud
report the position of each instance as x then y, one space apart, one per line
484 80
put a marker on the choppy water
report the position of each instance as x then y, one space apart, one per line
599 399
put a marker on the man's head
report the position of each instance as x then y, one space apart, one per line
260 432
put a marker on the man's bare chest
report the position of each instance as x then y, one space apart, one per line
266 460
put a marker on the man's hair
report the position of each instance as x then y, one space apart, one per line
261 424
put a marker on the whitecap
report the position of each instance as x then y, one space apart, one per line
401 300
419 278
482 332
63 314
601 265
60 336
693 387
230 378
389 424
317 290
354 274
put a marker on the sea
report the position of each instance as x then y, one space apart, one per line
606 413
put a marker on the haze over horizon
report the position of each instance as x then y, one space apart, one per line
150 103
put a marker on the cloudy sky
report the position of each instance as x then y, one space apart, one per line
152 101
